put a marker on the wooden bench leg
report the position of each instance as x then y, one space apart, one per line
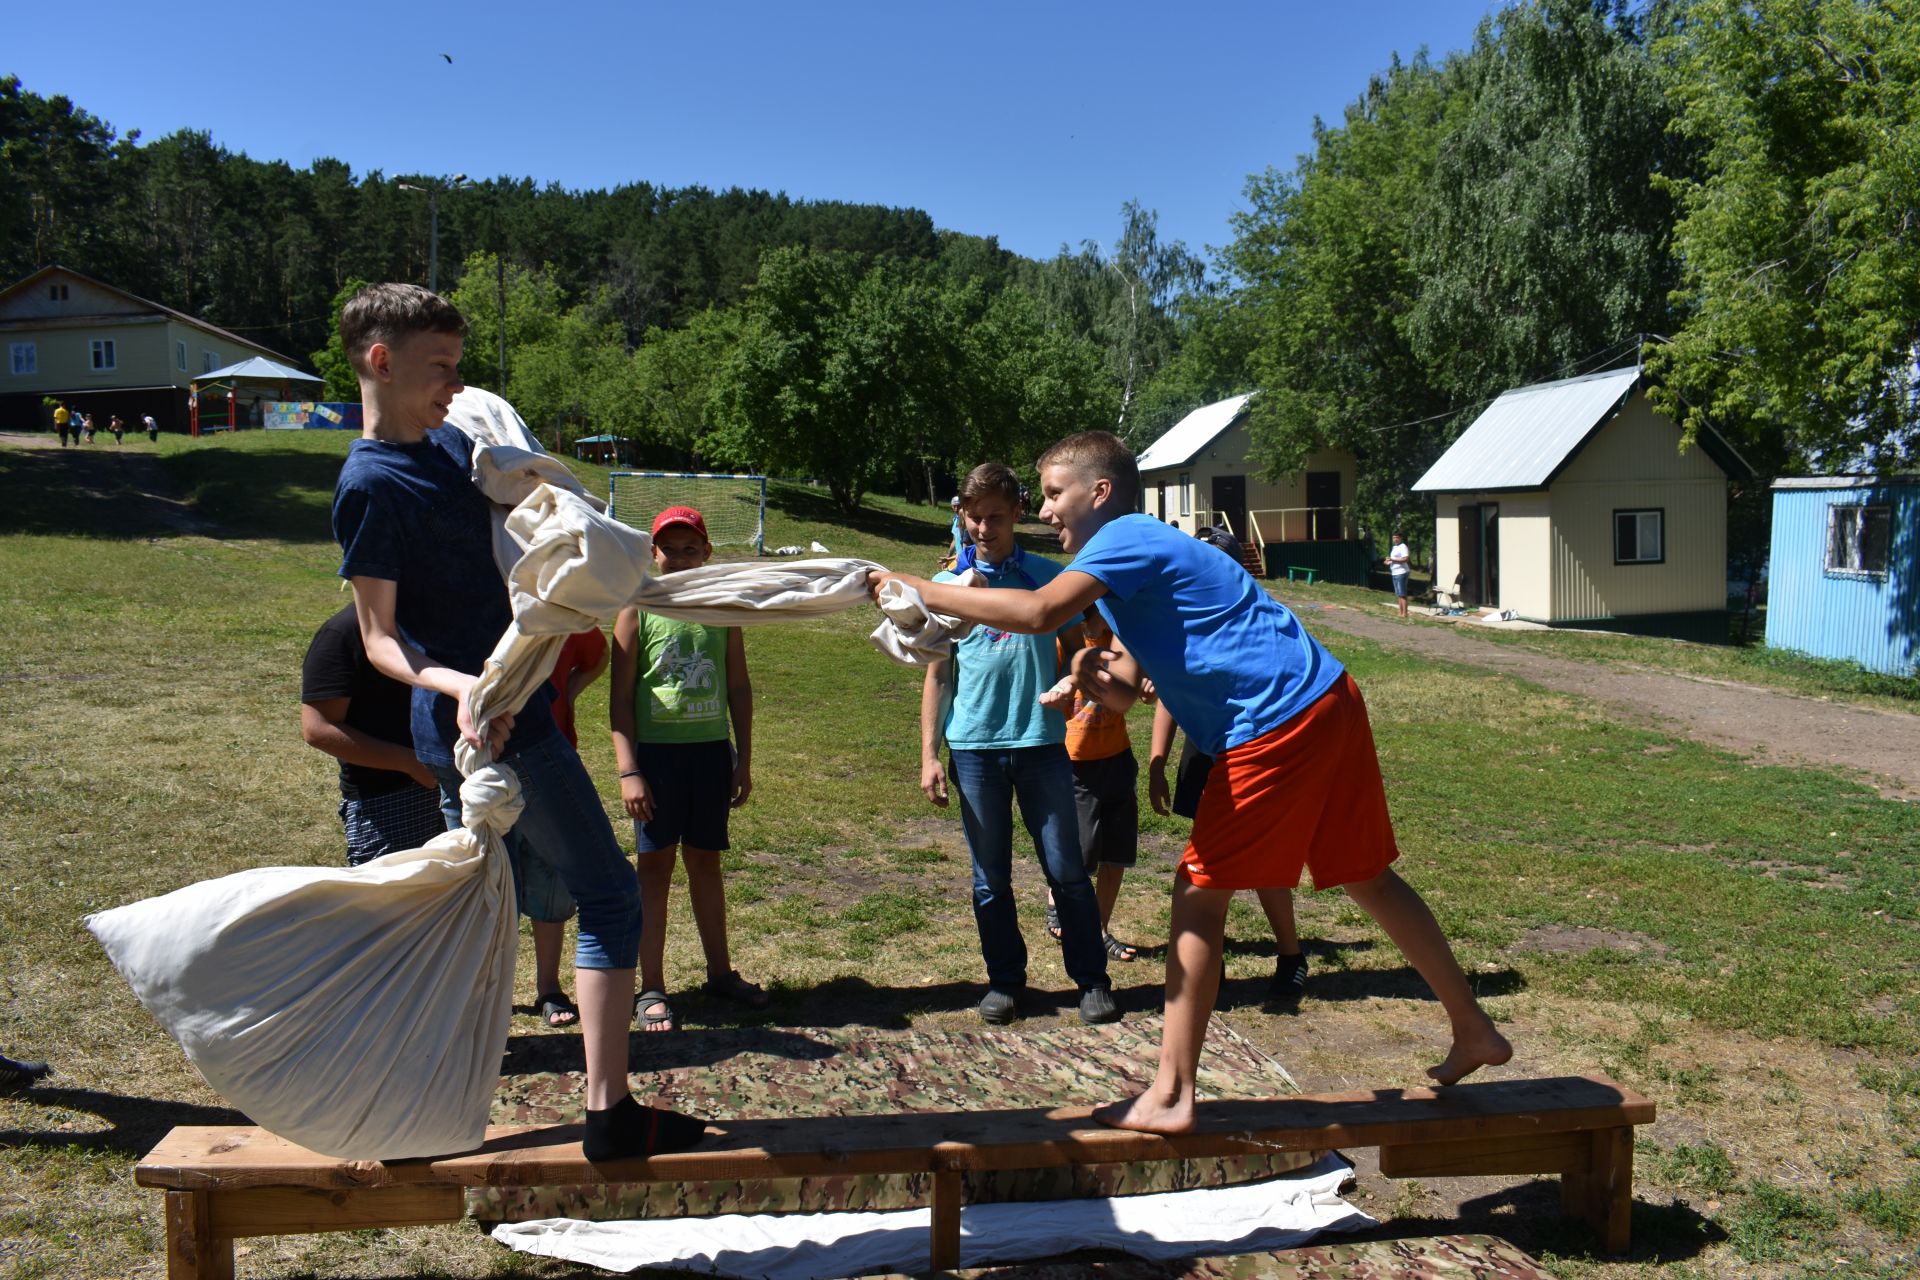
1603 1192
194 1252
946 1220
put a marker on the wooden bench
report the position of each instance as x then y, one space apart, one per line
224 1183
1306 571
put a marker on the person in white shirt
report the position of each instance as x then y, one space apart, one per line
1399 559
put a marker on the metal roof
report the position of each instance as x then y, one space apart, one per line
1186 438
1528 434
258 367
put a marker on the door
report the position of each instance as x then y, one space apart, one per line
1490 551
1230 500
1467 584
1323 503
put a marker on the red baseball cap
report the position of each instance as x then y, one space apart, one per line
681 515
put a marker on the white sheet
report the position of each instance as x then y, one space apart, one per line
1278 1214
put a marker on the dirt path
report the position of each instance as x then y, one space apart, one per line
1882 745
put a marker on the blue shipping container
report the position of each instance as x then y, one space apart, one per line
1844 580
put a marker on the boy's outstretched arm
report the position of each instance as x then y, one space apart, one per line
1031 613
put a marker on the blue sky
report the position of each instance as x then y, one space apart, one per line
1030 122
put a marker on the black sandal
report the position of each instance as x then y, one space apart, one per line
557 1004
1053 922
1124 952
663 1021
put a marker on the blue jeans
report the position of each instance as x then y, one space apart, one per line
1042 780
564 821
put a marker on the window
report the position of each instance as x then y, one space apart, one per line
1186 489
57 292
180 354
103 359
1639 537
209 362
26 358
1857 540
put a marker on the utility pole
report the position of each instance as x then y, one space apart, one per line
500 263
433 190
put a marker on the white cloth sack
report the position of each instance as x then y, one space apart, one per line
361 1012
1278 1214
358 1011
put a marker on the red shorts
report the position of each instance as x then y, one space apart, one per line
1306 794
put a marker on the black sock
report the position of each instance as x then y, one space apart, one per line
628 1129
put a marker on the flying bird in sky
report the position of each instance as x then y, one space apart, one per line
448 57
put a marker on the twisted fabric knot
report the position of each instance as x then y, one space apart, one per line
490 799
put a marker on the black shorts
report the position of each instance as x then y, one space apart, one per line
1106 799
692 787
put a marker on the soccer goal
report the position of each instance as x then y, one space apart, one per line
734 507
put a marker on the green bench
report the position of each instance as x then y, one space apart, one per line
1304 570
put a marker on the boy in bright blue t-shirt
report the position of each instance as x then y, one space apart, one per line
1296 780
1004 745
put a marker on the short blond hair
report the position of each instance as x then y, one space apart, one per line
1101 455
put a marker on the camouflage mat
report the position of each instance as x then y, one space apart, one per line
763 1071
1430 1258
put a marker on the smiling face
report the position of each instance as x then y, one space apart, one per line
1075 503
678 547
418 375
989 518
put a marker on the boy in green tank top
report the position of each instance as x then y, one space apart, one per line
676 687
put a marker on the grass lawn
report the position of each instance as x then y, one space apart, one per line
1739 942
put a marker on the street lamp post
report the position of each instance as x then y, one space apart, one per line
433 190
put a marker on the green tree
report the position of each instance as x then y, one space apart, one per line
1126 299
1322 267
1542 239
1800 238
839 372
675 372
331 361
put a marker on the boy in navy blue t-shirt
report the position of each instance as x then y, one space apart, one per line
1295 782
417 545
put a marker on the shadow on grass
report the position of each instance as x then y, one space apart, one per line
815 506
138 1123
91 493
1528 1216
561 1051
1402 983
260 493
119 493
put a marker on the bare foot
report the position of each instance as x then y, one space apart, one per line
1484 1048
1147 1114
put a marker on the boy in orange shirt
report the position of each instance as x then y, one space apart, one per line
1106 796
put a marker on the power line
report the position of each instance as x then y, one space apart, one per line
1577 365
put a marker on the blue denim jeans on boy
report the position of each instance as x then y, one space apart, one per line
564 821
1041 778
